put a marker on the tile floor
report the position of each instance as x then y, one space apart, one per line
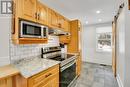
94 75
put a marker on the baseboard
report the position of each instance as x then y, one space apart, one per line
120 84
97 63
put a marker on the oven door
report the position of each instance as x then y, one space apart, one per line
31 30
67 74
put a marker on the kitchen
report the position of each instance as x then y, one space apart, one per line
41 46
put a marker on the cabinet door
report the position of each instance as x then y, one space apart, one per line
46 85
54 19
49 18
7 82
41 13
78 65
61 22
29 10
55 81
66 26
64 39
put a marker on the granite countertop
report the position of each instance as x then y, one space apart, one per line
31 66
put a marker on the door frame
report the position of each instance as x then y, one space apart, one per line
114 59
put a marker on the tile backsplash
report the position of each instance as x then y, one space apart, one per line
18 52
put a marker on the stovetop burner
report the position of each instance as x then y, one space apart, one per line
58 59
62 57
54 53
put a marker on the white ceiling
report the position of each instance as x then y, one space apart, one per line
85 10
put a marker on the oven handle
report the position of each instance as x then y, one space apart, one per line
67 65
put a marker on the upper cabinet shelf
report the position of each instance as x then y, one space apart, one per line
35 11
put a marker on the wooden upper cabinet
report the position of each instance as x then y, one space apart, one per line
66 26
54 19
29 10
61 21
49 17
42 12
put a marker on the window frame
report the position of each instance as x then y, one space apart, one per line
97 39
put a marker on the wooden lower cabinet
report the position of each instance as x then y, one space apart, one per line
50 81
6 82
78 65
47 78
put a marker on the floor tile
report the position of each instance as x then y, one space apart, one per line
95 75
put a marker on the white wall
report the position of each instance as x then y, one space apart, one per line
5 25
120 47
127 46
123 46
89 46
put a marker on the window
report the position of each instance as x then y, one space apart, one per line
104 39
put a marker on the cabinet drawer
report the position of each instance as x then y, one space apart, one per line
43 76
53 80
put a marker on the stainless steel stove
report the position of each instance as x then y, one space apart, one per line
67 64
54 53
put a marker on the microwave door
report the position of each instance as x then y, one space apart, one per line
28 30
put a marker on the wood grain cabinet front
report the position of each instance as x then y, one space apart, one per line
47 78
74 45
63 23
65 39
78 65
29 10
54 19
42 12
35 11
66 25
32 10
6 82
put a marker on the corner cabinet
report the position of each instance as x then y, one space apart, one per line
47 78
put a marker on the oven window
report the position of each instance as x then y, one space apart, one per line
68 75
31 30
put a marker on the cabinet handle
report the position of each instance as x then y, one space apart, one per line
35 15
38 16
48 75
59 25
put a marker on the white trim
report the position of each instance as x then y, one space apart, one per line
120 84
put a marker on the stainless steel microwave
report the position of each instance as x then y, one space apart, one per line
32 30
